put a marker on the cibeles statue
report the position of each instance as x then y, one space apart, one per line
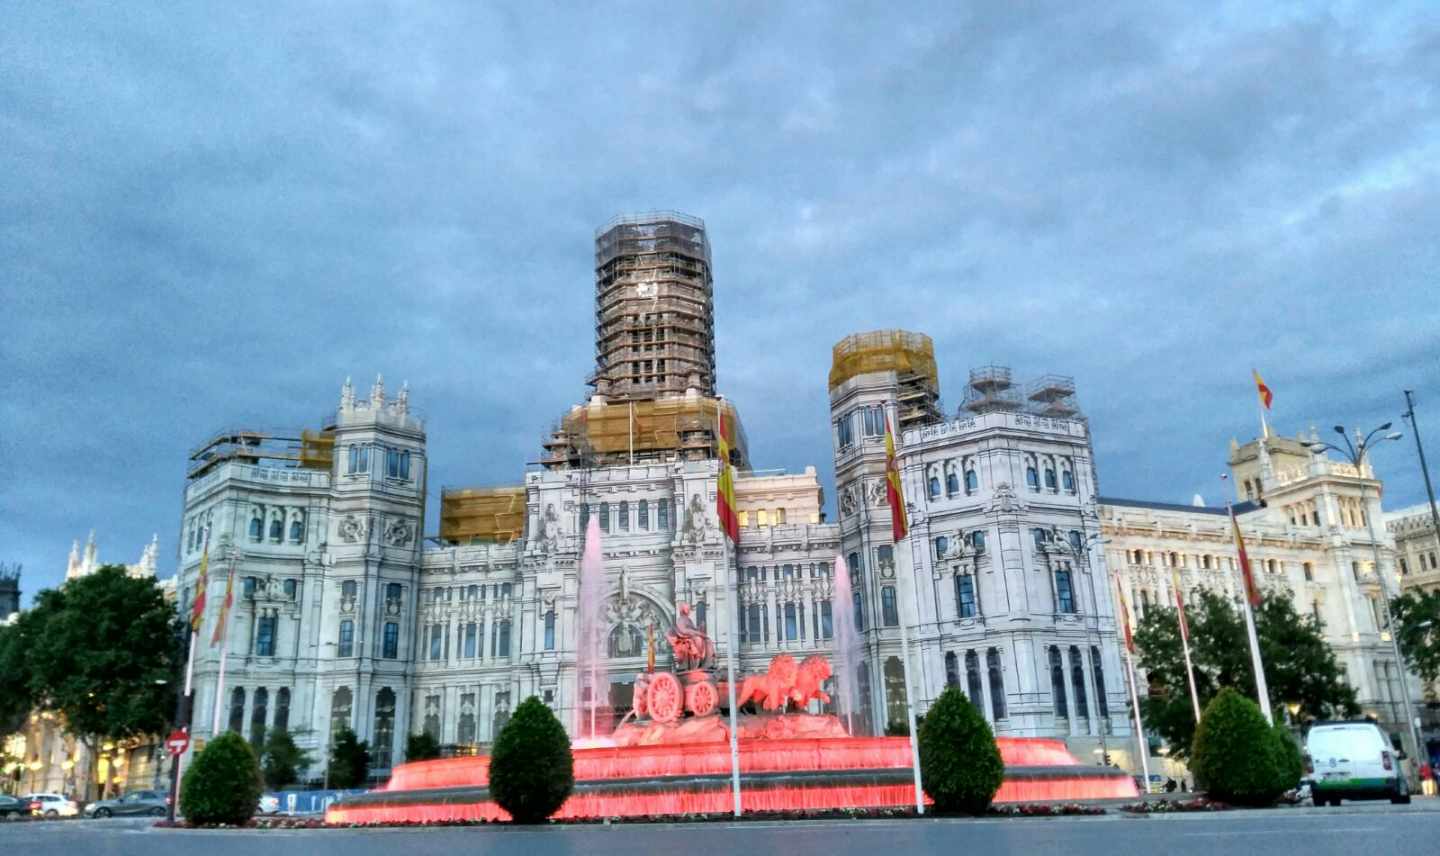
693 649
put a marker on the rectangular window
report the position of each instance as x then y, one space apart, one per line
1064 593
437 635
265 636
859 607
792 630
470 630
392 463
844 431
965 595
347 638
888 611
885 556
662 511
874 419
390 646
827 627
550 629
503 649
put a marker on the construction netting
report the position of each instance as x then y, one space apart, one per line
883 350
317 450
653 429
495 514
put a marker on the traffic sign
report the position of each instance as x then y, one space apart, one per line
177 742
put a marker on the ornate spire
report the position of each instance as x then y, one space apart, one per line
377 392
347 395
402 403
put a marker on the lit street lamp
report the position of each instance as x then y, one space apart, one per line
1355 453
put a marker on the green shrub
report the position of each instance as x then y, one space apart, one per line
281 760
960 763
1291 764
531 768
349 760
1236 756
421 747
223 783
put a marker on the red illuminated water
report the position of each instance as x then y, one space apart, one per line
624 780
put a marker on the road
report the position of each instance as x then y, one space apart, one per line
1303 832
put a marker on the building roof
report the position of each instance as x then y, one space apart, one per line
1240 507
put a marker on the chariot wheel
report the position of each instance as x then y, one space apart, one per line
665 698
702 698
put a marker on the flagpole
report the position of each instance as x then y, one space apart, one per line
910 693
1185 642
1262 689
900 530
729 530
1140 741
224 631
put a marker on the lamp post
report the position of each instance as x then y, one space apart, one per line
1356 453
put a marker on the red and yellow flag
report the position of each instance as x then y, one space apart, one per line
894 493
1124 616
725 486
1266 396
197 610
224 609
1180 604
1252 592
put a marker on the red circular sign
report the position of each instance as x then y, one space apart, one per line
177 742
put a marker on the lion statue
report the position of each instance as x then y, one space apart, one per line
786 681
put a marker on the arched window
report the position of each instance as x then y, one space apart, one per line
340 704
624 515
972 481
237 710
604 517
952 670
1067 480
1057 683
952 483
550 630
383 739
277 529
1032 478
297 530
1050 478
1077 683
282 709
347 639
1102 704
965 605
626 640
934 487
257 716
642 514
888 611
257 528
997 684
972 681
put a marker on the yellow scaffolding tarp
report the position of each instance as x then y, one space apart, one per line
482 514
884 350
649 427
317 450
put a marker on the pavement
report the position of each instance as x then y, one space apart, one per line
1343 831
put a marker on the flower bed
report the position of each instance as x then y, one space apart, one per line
1174 806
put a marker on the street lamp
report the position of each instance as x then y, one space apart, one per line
1356 453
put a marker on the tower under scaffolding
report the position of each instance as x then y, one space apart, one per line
911 356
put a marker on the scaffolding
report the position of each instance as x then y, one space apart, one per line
911 356
991 390
1053 395
644 431
482 515
317 450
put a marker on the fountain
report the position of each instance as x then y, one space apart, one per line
846 638
671 755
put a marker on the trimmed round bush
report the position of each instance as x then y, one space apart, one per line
1291 766
959 761
531 768
223 783
1237 756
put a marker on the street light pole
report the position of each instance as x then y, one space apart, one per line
1356 454
1424 470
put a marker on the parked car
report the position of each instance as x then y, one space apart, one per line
52 805
136 802
13 807
1353 761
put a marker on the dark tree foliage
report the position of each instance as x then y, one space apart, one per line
1238 757
1299 666
101 651
421 747
281 760
1417 616
16 701
960 763
223 783
532 771
349 760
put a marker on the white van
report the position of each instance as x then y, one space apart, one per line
1353 761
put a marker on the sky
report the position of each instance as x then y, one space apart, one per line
212 214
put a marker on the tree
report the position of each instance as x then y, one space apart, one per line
421 747
532 770
1299 666
959 760
349 760
1417 619
1238 757
101 651
281 761
16 699
223 784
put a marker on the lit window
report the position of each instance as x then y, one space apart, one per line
744 519
779 517
762 517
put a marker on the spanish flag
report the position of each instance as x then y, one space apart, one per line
1180 604
1124 616
1266 396
197 611
224 609
1252 592
725 485
894 493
